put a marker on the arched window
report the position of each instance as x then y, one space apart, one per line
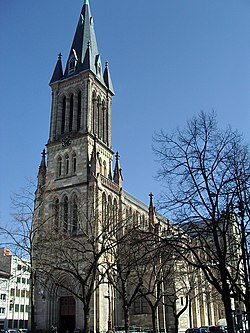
115 214
104 169
100 163
71 107
63 115
74 163
59 166
65 213
98 116
66 164
79 108
103 122
74 216
104 208
93 118
109 213
56 215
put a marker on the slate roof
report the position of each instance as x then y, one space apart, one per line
84 51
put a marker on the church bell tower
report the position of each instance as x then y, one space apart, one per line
81 110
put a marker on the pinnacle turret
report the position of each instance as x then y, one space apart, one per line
58 71
118 171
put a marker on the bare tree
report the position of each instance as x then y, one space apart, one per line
19 234
205 170
78 259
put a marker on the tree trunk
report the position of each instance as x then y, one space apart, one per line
228 311
126 318
154 326
86 326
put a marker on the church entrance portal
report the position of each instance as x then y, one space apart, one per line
67 314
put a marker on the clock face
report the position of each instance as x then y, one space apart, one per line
66 141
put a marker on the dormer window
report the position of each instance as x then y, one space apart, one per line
72 62
98 65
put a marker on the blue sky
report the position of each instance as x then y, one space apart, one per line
168 59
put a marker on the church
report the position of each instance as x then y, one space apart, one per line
80 175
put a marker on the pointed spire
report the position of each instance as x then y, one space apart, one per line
84 51
151 213
42 171
107 78
58 71
117 171
94 162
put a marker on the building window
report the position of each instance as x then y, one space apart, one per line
140 306
16 307
18 280
67 165
59 166
79 107
74 163
104 169
71 107
23 293
104 208
26 308
3 297
74 217
17 292
56 221
2 310
65 214
19 267
23 280
22 308
63 115
11 307
12 292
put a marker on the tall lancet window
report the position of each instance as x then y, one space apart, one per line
104 209
79 108
93 120
65 213
98 115
66 164
74 163
63 115
59 166
74 216
56 215
71 108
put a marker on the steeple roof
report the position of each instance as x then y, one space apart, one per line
84 53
